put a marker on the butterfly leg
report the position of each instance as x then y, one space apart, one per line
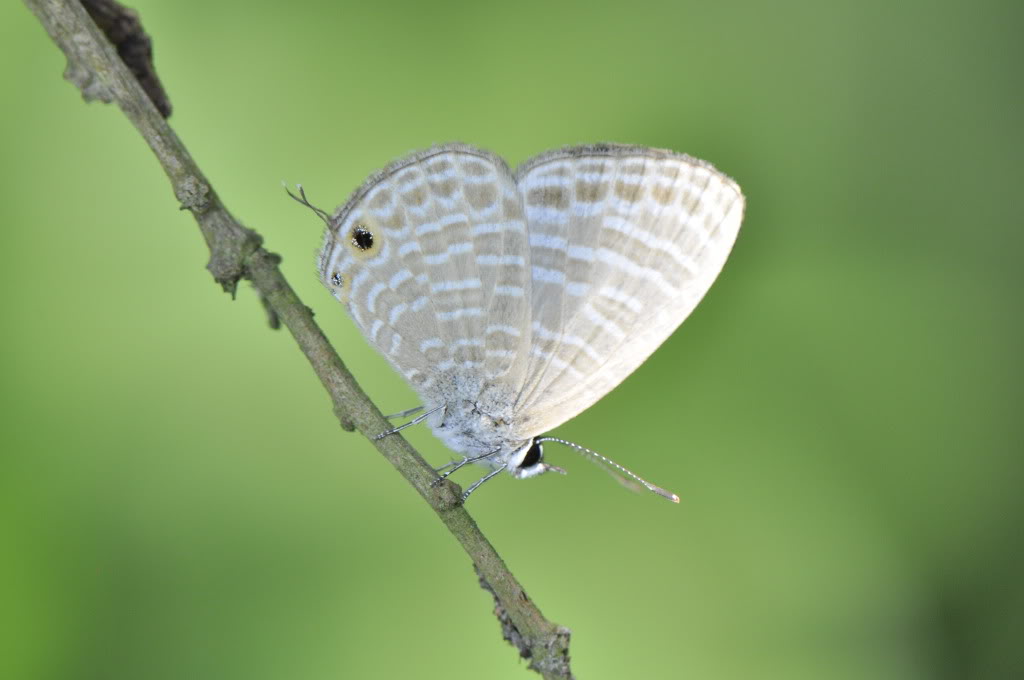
406 413
444 467
473 487
414 421
456 465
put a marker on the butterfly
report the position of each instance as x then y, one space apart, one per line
511 300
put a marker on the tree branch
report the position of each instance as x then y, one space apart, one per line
236 252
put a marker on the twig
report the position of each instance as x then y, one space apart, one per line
236 252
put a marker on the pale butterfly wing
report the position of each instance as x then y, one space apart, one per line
624 242
429 255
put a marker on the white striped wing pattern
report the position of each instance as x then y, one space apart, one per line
517 299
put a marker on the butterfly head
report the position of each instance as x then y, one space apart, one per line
528 461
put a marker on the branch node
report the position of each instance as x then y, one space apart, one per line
230 261
346 422
556 661
193 195
448 495
91 84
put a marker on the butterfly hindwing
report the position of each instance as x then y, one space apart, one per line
429 255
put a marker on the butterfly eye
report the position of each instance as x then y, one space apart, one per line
533 456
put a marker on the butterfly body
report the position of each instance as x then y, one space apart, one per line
512 300
474 419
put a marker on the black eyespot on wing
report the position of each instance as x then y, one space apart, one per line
336 279
533 456
362 238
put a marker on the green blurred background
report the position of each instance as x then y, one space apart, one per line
841 416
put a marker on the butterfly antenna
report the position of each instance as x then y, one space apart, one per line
611 463
305 201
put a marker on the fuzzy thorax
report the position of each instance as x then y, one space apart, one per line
477 417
